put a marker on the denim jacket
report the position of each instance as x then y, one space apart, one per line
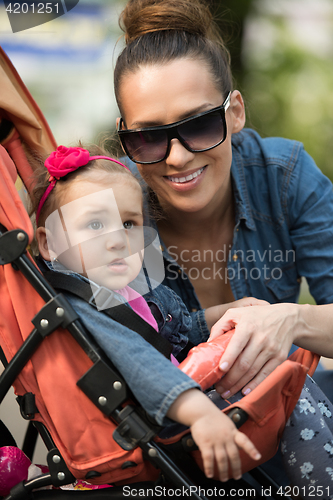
283 228
154 380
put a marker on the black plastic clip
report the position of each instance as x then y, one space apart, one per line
132 430
28 407
57 312
13 244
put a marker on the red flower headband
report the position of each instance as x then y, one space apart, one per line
63 161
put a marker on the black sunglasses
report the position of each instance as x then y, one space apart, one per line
198 133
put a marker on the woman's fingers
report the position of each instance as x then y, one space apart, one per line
262 374
249 370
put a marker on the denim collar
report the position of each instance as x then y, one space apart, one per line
59 268
243 207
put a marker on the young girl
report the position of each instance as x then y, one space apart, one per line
89 213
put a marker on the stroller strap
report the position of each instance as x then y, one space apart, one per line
119 312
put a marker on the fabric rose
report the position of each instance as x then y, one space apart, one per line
65 160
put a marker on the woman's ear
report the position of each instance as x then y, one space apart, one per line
238 111
43 244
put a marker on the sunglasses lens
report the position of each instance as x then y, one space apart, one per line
203 132
146 146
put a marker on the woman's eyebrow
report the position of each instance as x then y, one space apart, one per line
183 116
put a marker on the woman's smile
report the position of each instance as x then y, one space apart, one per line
186 181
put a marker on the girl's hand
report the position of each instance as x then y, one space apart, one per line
262 340
214 433
219 442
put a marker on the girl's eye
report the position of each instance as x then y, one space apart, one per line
128 224
95 225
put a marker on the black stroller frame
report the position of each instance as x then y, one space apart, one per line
106 388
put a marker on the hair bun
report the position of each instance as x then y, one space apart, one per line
146 16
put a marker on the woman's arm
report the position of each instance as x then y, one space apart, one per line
263 338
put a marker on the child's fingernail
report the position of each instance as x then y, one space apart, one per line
225 394
224 366
257 456
247 391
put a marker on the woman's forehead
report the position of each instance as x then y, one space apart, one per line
160 94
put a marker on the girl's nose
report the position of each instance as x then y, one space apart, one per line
179 155
116 240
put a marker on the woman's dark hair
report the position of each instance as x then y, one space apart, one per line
159 31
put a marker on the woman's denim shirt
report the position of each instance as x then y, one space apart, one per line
154 380
283 228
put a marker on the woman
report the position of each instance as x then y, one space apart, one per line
241 215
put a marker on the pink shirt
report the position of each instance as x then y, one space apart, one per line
140 306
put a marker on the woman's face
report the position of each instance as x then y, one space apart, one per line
162 94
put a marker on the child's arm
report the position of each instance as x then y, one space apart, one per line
214 433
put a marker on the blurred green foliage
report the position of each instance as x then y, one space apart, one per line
290 94
286 86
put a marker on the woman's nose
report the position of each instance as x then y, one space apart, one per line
178 155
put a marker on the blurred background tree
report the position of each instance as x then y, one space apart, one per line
282 62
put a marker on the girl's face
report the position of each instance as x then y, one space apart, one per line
162 94
98 231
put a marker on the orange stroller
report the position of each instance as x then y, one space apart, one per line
39 334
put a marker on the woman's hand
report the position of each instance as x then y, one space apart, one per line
262 340
214 313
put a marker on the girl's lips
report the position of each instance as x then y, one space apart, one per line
118 266
186 182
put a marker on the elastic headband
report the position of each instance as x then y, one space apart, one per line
64 161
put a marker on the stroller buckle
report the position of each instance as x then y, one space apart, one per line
101 298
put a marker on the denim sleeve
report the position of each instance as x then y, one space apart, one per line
310 214
199 332
154 380
173 318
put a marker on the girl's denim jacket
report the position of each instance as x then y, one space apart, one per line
283 228
153 379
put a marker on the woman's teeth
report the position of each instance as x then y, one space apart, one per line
187 178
